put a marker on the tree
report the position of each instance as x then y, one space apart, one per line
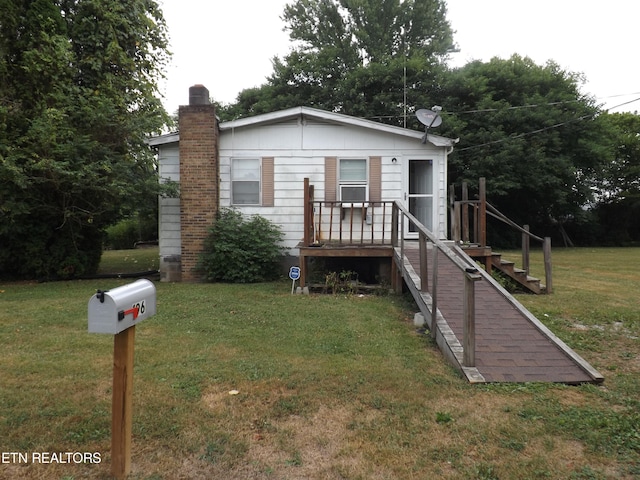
78 97
617 205
529 130
355 57
622 175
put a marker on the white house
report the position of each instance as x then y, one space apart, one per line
259 165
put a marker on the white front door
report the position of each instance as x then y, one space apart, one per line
419 193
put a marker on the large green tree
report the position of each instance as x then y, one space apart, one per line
369 58
528 128
78 96
617 207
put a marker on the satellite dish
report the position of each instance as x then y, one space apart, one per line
429 118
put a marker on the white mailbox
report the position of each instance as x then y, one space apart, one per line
113 311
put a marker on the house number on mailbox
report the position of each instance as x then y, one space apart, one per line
135 310
140 307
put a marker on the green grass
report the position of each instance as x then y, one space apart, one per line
125 261
328 386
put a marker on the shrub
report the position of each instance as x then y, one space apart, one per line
127 232
46 253
123 235
242 250
343 282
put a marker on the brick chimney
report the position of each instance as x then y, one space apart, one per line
199 174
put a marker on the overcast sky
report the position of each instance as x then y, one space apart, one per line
228 45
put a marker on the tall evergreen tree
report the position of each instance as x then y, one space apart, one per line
78 96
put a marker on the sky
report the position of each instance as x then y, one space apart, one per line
228 45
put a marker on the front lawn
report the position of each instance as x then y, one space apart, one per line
249 381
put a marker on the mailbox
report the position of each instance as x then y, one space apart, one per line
113 311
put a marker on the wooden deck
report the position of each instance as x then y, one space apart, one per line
511 345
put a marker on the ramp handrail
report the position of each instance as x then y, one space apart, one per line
461 231
470 275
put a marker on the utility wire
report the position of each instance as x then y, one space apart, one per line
625 103
540 130
557 125
518 107
520 135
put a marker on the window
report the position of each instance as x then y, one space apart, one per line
352 178
245 181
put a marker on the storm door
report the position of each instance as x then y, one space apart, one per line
419 192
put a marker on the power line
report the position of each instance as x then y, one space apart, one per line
511 107
533 132
520 135
557 125
548 104
625 103
518 107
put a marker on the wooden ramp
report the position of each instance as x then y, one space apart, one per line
511 345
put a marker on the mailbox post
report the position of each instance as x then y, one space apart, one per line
117 312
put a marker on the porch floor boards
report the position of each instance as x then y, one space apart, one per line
337 249
509 347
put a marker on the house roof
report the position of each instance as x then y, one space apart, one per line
315 114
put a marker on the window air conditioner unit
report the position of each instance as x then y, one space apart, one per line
353 196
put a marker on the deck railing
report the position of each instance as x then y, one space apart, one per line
345 223
469 275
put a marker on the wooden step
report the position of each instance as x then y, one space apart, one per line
507 267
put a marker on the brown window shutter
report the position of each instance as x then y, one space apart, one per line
267 182
375 179
330 178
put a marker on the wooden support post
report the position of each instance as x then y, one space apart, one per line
317 232
455 226
525 249
396 276
488 263
396 218
303 270
546 247
482 214
465 213
424 268
434 292
351 208
307 214
122 402
452 212
469 320
476 223
402 240
363 217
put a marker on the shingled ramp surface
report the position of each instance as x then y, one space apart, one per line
511 344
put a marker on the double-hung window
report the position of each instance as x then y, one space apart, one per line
352 180
245 181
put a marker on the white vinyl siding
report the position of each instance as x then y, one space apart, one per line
314 150
169 208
